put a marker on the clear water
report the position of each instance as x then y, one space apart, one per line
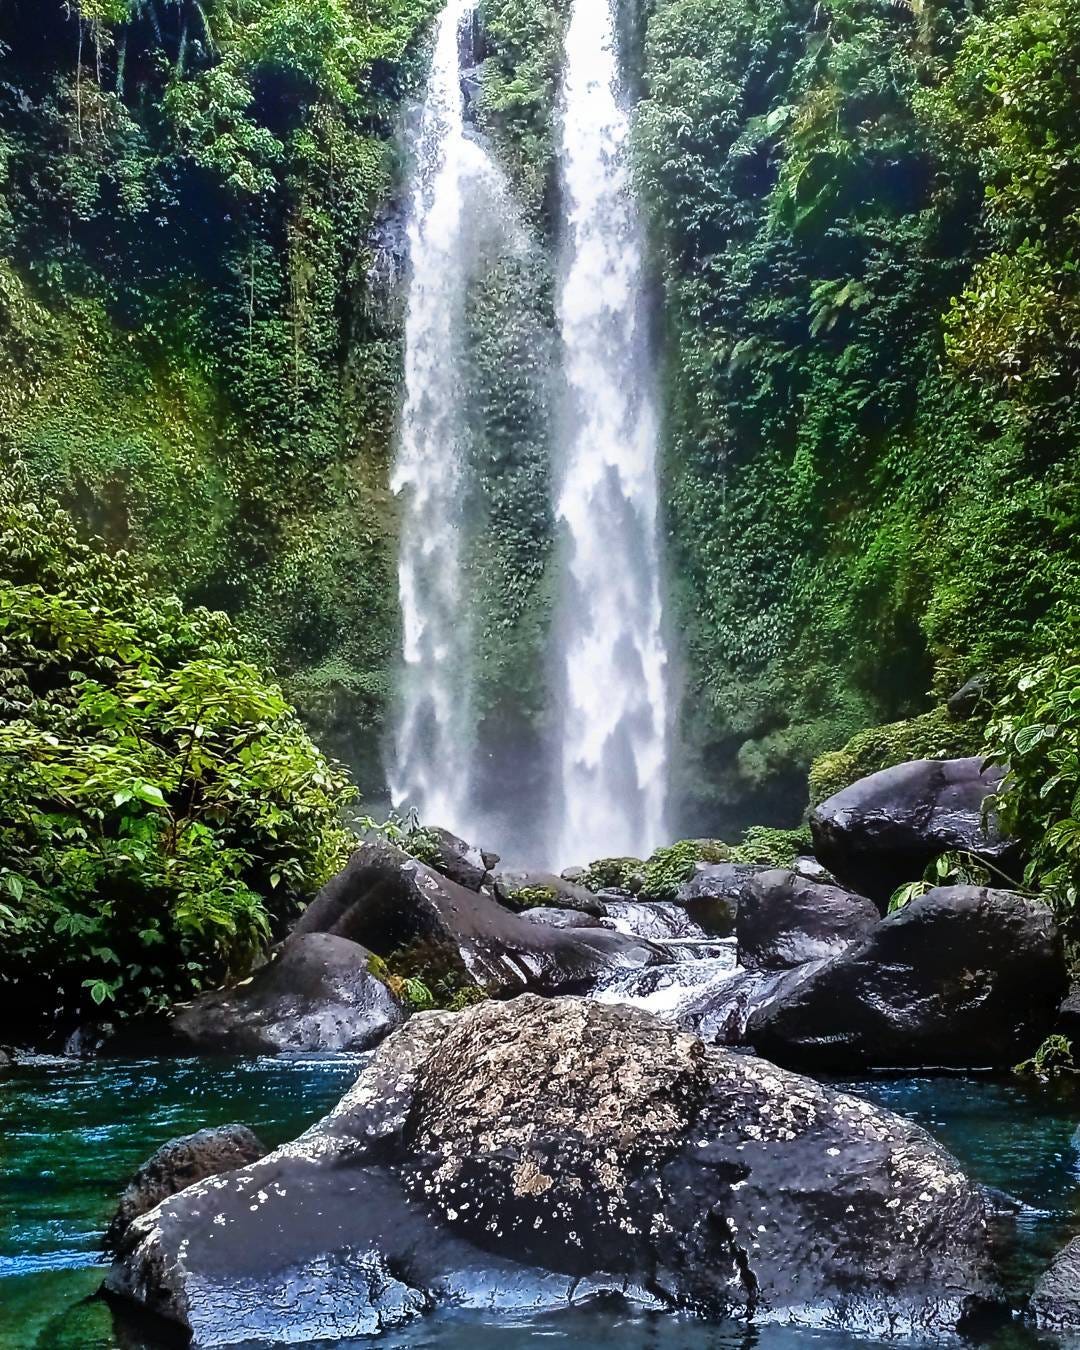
71 1134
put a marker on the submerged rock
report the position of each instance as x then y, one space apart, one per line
393 904
785 920
319 993
885 829
962 976
178 1164
535 1153
1056 1300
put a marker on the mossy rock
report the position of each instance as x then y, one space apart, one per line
932 735
614 874
667 868
771 847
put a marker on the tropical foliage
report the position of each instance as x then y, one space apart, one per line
162 811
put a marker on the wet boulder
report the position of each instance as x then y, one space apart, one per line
1055 1302
395 905
887 828
785 920
318 993
562 918
721 1012
962 977
180 1163
537 1153
526 890
462 862
712 894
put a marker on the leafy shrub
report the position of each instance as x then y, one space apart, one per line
619 874
933 735
776 848
533 897
1052 1060
1036 732
162 811
667 868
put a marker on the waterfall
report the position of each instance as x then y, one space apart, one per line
453 178
614 667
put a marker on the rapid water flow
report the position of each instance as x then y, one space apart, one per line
431 757
612 656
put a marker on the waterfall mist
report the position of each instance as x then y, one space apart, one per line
611 652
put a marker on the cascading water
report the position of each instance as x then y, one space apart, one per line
431 759
613 658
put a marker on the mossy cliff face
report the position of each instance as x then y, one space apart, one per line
866 243
864 221
200 355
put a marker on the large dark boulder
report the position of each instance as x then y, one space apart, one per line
318 993
180 1163
721 1012
712 895
962 976
884 830
462 862
1055 1302
393 904
785 920
537 1153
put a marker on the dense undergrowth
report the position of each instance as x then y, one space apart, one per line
867 218
163 813
197 356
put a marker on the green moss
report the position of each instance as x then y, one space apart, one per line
533 897
667 868
775 848
621 874
933 735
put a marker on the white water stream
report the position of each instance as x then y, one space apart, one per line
614 666
454 182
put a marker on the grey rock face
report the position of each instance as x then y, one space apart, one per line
388 901
885 829
962 976
180 1163
318 994
1056 1300
785 920
531 1153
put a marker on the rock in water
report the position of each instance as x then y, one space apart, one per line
785 920
319 993
533 1153
885 829
1056 1300
962 976
390 902
178 1164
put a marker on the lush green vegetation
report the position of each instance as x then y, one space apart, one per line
198 345
868 220
162 810
1036 732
